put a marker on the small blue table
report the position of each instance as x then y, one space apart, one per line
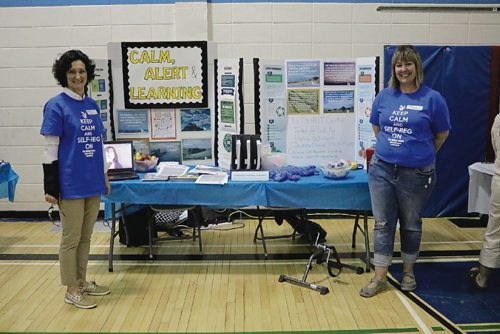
8 181
312 192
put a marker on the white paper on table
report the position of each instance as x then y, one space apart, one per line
220 178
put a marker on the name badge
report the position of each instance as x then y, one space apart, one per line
91 112
412 107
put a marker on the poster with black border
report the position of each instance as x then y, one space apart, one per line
99 90
229 111
165 74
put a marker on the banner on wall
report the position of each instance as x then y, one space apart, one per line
365 89
99 90
309 109
229 107
165 74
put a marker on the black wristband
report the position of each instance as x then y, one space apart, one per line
51 178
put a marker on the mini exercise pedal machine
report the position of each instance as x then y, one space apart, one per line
323 253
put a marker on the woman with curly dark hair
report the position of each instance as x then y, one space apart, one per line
74 171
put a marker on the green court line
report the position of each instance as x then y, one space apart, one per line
476 327
341 331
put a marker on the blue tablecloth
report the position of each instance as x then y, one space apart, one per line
311 192
8 181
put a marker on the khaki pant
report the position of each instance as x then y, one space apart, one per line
490 252
78 217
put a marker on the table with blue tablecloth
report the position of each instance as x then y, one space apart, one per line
311 192
8 181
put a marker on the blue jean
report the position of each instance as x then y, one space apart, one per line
398 193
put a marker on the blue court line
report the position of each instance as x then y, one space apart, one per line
46 3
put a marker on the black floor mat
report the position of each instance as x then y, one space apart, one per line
470 222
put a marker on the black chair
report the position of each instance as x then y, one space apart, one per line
266 211
194 213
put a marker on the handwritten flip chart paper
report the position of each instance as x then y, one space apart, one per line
317 139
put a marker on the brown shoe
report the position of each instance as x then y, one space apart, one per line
473 273
378 286
79 300
408 282
92 289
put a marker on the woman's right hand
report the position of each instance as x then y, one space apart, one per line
50 199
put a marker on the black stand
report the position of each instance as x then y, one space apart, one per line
323 253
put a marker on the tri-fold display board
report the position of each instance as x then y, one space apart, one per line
180 102
316 110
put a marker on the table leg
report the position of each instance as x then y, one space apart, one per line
112 237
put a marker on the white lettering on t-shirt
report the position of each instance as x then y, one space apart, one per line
398 128
88 138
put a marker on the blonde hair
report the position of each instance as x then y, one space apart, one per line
402 54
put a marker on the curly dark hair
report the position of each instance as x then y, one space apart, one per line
63 65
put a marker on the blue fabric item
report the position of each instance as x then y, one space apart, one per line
292 173
314 192
78 125
408 124
8 181
462 75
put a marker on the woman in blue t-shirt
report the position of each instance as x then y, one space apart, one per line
411 122
74 172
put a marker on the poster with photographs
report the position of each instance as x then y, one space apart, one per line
321 101
365 84
99 91
229 105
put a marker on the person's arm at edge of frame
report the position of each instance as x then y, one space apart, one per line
439 139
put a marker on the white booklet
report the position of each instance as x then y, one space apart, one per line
201 169
154 177
167 169
220 178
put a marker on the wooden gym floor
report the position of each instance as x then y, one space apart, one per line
232 289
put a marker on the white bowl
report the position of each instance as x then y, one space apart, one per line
273 161
333 172
145 165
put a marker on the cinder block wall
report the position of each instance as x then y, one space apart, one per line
32 37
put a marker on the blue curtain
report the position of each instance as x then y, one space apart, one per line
462 75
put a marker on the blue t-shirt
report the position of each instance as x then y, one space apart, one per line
408 124
78 125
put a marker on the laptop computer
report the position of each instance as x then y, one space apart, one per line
120 155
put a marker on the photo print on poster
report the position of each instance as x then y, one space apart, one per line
339 73
195 120
303 73
338 101
303 101
196 149
133 122
166 150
